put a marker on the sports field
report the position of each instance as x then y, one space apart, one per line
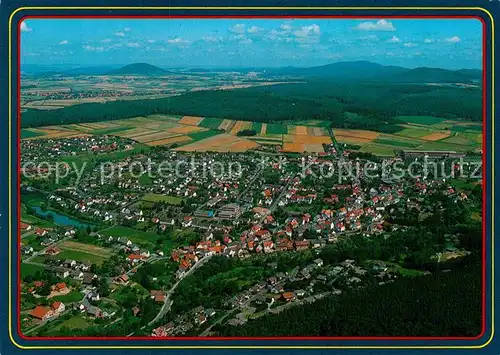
80 256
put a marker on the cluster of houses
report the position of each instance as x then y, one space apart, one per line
359 210
75 270
274 292
61 147
362 210
92 310
185 322
268 195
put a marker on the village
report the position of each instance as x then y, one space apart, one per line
118 250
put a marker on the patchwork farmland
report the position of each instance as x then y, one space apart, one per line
432 133
199 134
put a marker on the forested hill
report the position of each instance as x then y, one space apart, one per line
368 71
316 99
442 304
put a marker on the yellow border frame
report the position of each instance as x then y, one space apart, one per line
250 8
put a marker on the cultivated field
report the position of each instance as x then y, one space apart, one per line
50 132
87 248
191 120
192 133
140 237
220 143
415 132
170 141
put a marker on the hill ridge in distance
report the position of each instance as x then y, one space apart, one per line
365 70
139 69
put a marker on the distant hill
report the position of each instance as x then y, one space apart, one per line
436 75
139 69
368 71
356 69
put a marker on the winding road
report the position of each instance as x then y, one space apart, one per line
166 306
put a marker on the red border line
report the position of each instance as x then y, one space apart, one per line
198 338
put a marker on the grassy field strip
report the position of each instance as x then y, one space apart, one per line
171 200
88 248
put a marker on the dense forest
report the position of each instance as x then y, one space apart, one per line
442 304
374 103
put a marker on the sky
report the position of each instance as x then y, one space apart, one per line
443 43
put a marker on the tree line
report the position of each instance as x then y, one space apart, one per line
376 104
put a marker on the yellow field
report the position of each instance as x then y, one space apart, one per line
134 132
305 139
301 148
293 147
227 125
301 130
354 136
155 136
357 133
50 133
220 143
191 120
436 136
263 129
185 129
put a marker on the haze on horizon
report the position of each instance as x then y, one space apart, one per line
443 43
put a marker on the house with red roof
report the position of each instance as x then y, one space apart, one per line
122 279
263 233
38 284
52 250
268 246
288 296
60 287
187 221
42 313
58 307
269 219
25 226
40 231
301 244
135 258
